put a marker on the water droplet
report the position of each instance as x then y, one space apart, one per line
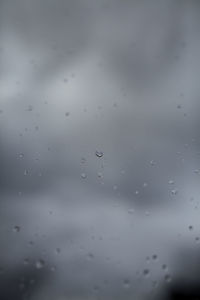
174 192
171 181
40 264
90 256
154 257
167 278
100 175
16 228
196 171
190 227
164 266
31 243
21 155
152 163
30 108
131 211
53 268
146 272
99 153
83 160
83 175
25 172
26 261
126 283
67 114
58 250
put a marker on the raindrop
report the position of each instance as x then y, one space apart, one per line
40 264
99 153
30 108
146 272
131 211
83 160
53 269
154 257
21 155
83 175
25 172
26 261
115 187
16 228
171 181
58 250
100 175
90 256
190 227
167 278
174 192
67 114
126 283
152 163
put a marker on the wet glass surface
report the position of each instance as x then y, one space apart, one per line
99 149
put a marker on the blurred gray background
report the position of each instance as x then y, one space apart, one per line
99 149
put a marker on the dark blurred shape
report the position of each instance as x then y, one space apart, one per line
21 284
184 290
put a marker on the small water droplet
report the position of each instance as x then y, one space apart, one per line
83 160
90 256
164 266
126 283
146 272
190 227
16 228
67 114
40 264
53 268
83 175
171 181
100 175
58 250
167 278
21 155
131 211
25 172
115 187
154 256
99 153
26 261
174 192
